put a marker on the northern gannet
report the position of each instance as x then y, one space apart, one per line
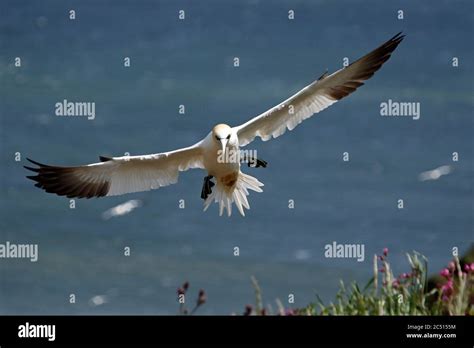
218 153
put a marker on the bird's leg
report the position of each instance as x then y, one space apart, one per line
254 161
207 187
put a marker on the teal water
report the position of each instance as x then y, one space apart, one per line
190 62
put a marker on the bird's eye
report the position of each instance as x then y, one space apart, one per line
228 137
217 138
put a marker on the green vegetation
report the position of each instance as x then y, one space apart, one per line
413 293
407 294
451 293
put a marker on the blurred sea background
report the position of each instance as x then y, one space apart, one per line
190 62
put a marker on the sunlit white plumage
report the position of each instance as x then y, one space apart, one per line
120 175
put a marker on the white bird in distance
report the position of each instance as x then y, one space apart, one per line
122 209
435 174
218 153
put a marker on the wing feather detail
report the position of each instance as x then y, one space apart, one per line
116 175
317 96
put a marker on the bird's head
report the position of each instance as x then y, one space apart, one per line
222 134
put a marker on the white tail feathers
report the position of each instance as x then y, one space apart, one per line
225 195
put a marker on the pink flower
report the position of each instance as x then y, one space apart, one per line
467 268
447 288
382 270
405 275
385 251
451 266
395 283
450 284
445 273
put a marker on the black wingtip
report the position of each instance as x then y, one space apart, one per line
398 37
36 170
105 158
33 177
37 163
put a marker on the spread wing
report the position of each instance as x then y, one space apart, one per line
117 175
317 96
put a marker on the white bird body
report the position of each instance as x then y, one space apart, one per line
211 150
221 160
218 153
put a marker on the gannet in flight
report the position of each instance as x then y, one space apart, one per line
120 175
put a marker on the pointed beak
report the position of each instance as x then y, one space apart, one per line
224 144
